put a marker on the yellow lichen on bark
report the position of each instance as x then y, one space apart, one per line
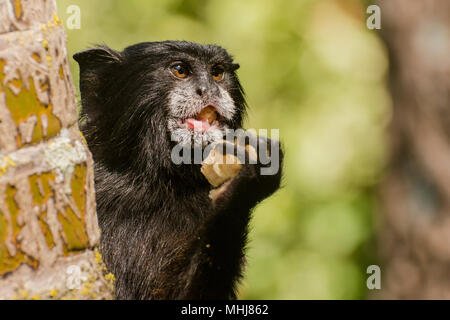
18 11
24 105
74 225
41 193
9 231
72 216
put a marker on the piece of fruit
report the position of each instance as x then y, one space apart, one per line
219 168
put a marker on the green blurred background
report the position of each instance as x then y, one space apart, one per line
313 70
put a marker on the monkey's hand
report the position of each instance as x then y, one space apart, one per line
239 173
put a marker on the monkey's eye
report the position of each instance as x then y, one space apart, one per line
179 70
218 73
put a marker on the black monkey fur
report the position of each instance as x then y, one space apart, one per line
161 235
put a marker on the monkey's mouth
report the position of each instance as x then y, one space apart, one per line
204 120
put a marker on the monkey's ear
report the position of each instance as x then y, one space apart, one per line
96 63
235 66
97 66
97 57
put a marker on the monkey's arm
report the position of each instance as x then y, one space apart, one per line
219 247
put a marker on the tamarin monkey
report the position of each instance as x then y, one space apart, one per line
164 234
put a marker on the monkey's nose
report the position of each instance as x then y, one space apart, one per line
201 91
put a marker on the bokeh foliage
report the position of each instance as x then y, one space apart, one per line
313 70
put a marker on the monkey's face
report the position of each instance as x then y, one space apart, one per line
200 105
155 94
203 96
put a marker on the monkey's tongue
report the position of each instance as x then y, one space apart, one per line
203 120
197 125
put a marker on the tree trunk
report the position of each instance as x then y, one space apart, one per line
415 241
48 224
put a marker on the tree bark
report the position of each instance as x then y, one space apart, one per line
415 239
48 224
